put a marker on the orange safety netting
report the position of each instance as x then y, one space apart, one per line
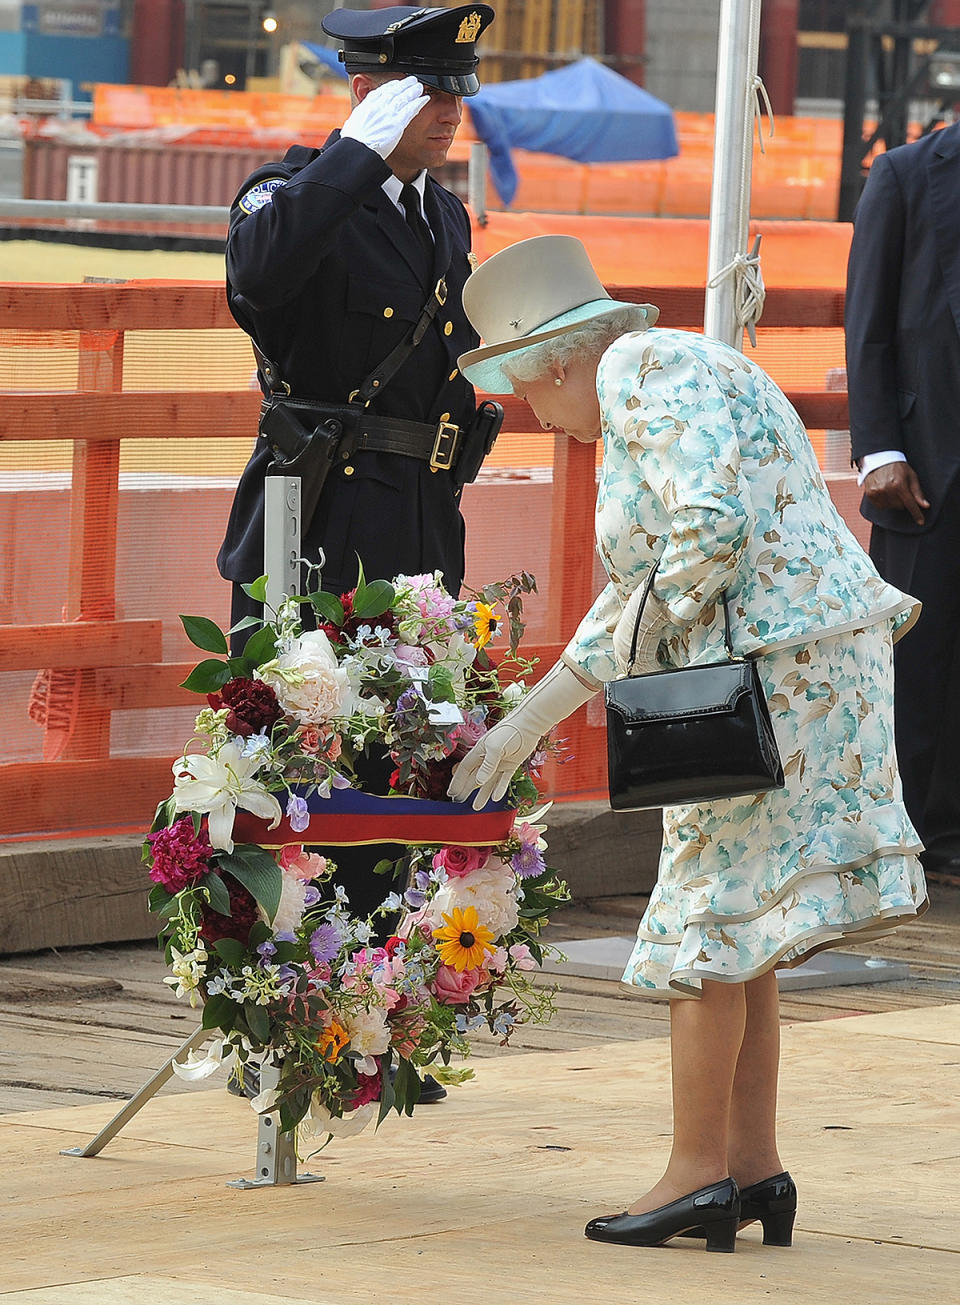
123 434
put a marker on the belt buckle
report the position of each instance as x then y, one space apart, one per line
444 446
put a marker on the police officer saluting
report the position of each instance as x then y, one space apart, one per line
345 266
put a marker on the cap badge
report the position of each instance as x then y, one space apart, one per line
469 29
516 324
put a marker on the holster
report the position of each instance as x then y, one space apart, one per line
301 451
477 441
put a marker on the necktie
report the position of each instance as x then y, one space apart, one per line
415 221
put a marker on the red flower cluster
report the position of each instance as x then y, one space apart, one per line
368 1089
243 916
350 625
180 856
253 706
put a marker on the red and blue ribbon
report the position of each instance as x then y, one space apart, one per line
350 818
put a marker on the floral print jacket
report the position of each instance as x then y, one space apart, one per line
707 467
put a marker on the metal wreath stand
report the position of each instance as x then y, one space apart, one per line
734 301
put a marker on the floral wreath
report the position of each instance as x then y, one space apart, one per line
397 676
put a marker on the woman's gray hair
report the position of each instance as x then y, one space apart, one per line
591 338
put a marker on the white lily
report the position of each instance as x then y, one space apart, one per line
200 1065
218 786
318 1121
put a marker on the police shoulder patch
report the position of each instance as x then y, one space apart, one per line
260 194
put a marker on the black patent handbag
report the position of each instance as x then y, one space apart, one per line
692 735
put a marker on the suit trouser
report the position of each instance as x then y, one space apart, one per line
927 674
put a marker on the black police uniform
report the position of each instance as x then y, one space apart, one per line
326 277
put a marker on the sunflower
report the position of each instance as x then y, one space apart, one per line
464 942
332 1040
485 623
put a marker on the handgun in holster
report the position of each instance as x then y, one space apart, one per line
478 440
299 451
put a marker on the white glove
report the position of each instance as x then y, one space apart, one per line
491 764
655 619
381 118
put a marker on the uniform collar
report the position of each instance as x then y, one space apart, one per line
393 186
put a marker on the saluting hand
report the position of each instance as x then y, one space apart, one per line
383 115
895 485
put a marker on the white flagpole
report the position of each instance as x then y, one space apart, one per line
737 55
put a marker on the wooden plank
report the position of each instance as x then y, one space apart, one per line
79 644
127 688
147 414
156 306
682 306
68 795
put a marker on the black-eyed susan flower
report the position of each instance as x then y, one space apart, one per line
485 623
332 1040
463 942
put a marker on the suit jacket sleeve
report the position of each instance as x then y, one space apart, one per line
872 312
272 252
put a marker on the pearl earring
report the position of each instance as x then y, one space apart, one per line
558 381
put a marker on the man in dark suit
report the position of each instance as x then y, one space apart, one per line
903 376
333 256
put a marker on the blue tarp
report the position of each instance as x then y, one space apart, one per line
585 112
323 54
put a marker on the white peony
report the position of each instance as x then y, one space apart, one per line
309 683
368 1031
490 889
293 894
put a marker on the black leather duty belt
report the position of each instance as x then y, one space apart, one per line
359 430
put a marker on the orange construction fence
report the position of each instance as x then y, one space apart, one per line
122 433
796 175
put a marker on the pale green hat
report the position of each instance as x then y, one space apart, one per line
527 293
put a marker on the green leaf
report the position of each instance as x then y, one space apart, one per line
208 677
440 679
385 867
230 949
328 606
260 933
258 1021
159 898
387 1094
406 1087
257 590
258 872
204 633
261 647
286 951
220 1012
218 895
245 624
375 599
166 812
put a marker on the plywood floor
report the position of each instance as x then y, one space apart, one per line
92 1024
482 1200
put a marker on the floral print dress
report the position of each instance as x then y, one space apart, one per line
708 468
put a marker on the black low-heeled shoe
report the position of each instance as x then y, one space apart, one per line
715 1209
772 1201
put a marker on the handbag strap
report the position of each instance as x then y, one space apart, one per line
643 602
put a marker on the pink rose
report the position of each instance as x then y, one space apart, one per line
300 863
455 988
309 739
461 861
465 736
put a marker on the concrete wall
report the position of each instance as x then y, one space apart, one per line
682 52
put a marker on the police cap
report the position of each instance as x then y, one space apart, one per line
434 45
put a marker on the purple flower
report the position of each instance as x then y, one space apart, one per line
325 943
528 862
340 781
265 951
311 895
408 701
297 813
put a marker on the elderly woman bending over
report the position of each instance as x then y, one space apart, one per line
708 473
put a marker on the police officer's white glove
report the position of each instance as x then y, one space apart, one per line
655 619
492 763
381 118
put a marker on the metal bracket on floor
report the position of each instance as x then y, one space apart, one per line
276 1159
276 1164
